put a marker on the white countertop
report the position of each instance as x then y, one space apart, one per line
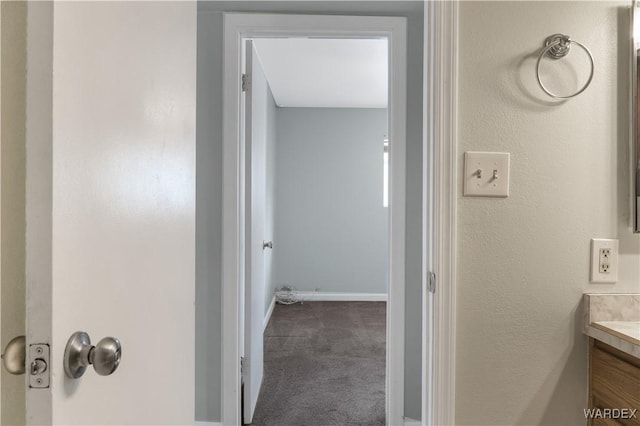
626 330
622 335
615 320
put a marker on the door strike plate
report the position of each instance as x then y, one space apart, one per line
38 368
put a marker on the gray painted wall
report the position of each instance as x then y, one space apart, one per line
208 219
209 185
331 226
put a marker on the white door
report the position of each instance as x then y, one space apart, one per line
111 103
255 137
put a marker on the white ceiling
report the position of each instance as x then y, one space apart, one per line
345 73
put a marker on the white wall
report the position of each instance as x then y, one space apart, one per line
209 189
13 48
523 261
331 226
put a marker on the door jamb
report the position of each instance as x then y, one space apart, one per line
39 158
439 210
237 27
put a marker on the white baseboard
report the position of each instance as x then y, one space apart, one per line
319 296
340 297
197 423
267 317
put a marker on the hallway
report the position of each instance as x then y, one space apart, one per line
324 365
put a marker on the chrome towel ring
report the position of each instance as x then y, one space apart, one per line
557 46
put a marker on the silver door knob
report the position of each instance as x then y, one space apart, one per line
267 244
79 354
14 355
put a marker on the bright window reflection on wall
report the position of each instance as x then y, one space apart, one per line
385 173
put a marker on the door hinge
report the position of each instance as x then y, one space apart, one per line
246 80
432 282
243 360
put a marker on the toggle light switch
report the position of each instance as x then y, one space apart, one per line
486 174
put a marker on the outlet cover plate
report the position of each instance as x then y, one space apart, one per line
598 244
486 174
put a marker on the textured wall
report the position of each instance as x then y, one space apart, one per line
523 262
331 226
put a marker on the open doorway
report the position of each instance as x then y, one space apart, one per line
316 234
238 28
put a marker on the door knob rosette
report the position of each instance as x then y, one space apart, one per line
79 354
14 355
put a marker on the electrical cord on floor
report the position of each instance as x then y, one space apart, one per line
286 295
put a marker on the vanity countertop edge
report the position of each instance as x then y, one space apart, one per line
614 319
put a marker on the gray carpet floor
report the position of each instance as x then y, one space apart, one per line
324 365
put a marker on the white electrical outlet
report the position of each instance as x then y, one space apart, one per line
604 260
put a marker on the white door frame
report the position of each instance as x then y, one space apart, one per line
38 238
237 27
439 210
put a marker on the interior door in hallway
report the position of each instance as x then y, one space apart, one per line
255 189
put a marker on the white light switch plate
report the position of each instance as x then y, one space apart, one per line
604 260
486 174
